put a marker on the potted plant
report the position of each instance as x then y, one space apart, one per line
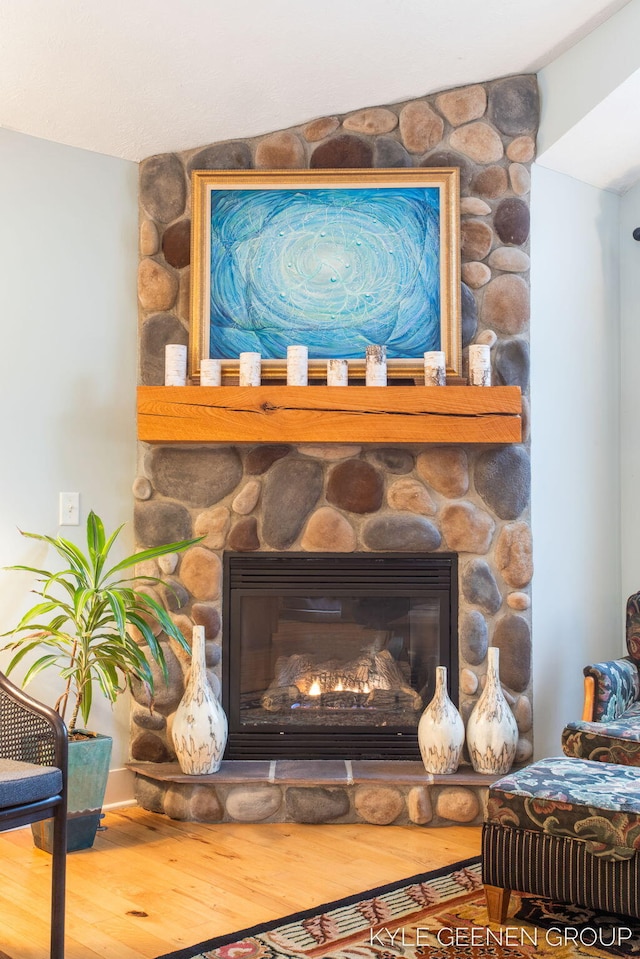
93 625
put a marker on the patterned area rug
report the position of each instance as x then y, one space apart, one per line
435 915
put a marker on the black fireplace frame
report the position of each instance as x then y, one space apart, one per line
417 574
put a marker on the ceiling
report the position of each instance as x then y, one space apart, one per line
132 78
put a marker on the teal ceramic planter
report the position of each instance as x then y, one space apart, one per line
88 773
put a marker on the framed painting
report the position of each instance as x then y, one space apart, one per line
334 260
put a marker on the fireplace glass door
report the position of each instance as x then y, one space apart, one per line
331 655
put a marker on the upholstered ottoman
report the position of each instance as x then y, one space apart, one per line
564 829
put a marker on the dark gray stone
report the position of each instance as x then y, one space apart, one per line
213 654
503 480
148 748
176 801
512 636
450 158
158 523
514 105
157 331
355 486
512 221
147 719
198 477
261 458
389 153
512 363
222 156
315 804
479 586
149 793
474 637
291 490
163 187
174 595
393 460
468 314
244 535
342 152
392 532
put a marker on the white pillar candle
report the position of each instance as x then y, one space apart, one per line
435 373
210 372
250 369
297 366
376 365
337 372
175 364
479 365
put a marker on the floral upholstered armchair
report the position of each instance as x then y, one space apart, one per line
610 726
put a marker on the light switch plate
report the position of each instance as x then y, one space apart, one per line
69 509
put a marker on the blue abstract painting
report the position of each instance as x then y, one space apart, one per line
334 269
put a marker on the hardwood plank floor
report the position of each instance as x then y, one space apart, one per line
151 884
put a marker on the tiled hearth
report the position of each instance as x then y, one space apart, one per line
470 498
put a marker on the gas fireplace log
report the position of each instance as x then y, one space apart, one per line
279 698
291 668
372 669
392 699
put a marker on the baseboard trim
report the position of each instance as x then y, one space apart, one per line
120 789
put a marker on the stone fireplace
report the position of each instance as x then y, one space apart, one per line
350 500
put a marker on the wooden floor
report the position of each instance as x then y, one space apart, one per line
151 885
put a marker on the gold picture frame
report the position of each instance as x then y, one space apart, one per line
273 256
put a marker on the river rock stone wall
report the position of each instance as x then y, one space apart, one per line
470 499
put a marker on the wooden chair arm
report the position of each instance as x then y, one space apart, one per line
589 699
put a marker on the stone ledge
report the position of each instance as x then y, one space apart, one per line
314 791
315 772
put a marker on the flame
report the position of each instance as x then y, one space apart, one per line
339 688
314 689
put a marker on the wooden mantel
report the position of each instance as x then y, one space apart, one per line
323 414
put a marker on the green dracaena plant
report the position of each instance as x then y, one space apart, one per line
85 617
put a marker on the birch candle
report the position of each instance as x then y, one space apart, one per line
376 365
210 372
250 369
175 364
337 372
479 365
435 373
297 366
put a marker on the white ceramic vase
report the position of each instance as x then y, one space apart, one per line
199 725
441 730
492 733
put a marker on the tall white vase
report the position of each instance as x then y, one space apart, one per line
199 725
492 733
441 730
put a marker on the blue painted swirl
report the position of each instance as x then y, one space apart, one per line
334 269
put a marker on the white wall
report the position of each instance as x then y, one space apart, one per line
575 370
68 360
630 389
